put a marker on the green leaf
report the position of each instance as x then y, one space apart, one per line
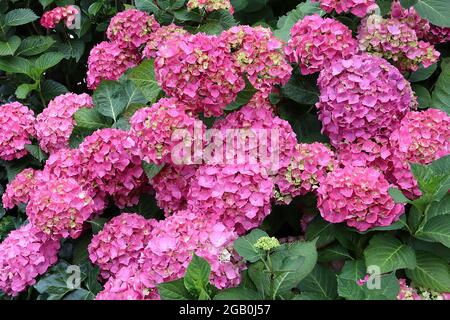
151 169
97 224
48 60
260 278
423 73
440 97
435 11
72 49
423 96
15 65
245 246
216 22
301 89
19 17
334 252
389 254
90 119
146 5
321 281
319 228
110 98
431 272
285 23
95 8
134 94
46 3
143 76
36 152
243 97
24 89
51 89
80 294
9 47
439 208
237 294
174 290
34 45
197 275
437 229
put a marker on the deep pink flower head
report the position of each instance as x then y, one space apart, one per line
316 42
112 163
358 7
424 30
421 138
131 28
127 285
18 190
55 124
171 187
407 292
254 135
108 62
120 243
358 196
362 97
24 255
159 36
309 167
259 55
161 128
59 208
51 18
174 241
17 125
395 41
199 70
210 5
237 195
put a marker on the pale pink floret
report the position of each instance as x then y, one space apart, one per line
59 208
359 197
358 7
18 190
67 14
17 125
160 36
407 292
259 55
131 28
308 168
174 241
237 195
199 70
112 163
210 5
316 42
55 124
421 138
107 61
397 42
162 127
24 255
120 243
171 187
362 97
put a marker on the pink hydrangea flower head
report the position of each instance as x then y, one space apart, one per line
210 5
67 14
19 189
259 56
237 195
395 41
159 36
112 163
358 196
309 167
59 208
422 137
107 61
120 243
55 124
407 292
171 187
17 123
131 28
357 7
24 255
199 70
254 135
362 97
424 30
174 241
316 42
162 127
126 285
